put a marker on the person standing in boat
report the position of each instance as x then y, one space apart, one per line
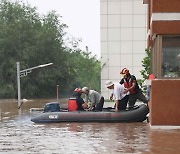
95 98
118 92
80 104
132 87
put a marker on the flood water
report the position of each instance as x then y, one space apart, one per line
19 135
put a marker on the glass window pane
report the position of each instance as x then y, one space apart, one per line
171 56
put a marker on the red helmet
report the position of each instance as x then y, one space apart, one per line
124 71
151 77
78 90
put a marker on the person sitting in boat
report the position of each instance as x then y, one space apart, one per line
95 98
77 103
131 85
118 92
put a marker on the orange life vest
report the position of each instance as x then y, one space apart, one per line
128 85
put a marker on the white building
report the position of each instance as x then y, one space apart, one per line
123 39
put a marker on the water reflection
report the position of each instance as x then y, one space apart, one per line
165 140
20 135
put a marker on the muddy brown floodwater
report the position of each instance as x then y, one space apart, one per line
19 135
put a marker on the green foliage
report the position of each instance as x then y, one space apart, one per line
146 69
146 64
86 69
33 40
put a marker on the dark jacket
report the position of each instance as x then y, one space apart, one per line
79 101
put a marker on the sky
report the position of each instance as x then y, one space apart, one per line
81 16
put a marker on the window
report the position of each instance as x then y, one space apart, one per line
171 56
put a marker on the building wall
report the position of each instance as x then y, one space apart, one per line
163 21
163 18
165 6
123 38
164 41
165 102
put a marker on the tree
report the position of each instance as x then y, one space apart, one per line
33 40
146 64
86 69
146 67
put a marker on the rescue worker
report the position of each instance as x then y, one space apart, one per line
132 87
80 104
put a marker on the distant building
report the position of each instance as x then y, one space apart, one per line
123 38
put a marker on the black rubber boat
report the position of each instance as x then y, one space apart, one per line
53 114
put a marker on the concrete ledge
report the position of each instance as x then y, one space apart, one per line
165 127
165 103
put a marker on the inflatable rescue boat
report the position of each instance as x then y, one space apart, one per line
54 114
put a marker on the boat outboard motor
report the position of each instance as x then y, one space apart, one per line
52 107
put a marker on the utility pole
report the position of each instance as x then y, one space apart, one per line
57 93
18 84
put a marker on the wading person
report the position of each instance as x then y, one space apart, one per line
131 86
95 98
121 98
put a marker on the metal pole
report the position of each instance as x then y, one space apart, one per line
57 93
22 74
18 84
40 66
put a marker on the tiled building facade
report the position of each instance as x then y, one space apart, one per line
123 38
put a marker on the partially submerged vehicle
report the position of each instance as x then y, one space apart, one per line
54 114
